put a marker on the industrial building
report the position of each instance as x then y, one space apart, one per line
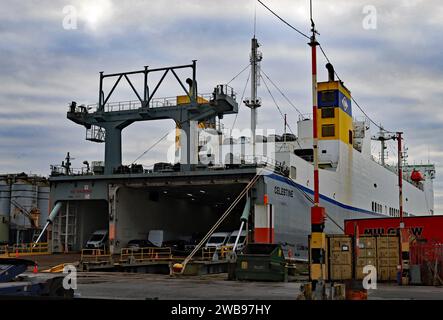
24 205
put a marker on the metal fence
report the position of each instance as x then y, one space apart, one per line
145 254
24 249
136 104
98 256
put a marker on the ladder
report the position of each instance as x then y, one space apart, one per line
64 232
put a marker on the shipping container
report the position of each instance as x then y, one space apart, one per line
340 257
424 228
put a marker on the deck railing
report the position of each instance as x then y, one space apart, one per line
145 254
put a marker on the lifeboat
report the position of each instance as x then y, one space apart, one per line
416 176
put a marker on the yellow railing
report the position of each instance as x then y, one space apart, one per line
145 254
225 250
24 249
3 250
95 256
208 253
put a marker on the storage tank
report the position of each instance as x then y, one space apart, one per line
24 195
5 207
43 204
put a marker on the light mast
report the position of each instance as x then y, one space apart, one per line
254 102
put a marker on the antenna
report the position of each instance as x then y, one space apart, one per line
284 131
429 154
314 32
255 18
310 12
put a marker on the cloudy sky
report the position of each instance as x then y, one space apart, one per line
395 71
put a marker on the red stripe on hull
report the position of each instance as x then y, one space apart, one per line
264 235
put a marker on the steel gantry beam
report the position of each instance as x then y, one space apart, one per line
191 110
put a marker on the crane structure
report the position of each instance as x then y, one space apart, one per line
106 120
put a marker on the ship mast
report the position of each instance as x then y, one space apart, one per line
382 137
383 146
254 102
313 44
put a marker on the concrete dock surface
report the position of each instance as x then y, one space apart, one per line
140 286
95 285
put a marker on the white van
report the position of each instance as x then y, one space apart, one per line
217 240
98 240
241 241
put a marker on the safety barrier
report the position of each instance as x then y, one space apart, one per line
95 256
3 250
209 253
145 254
24 249
225 250
222 253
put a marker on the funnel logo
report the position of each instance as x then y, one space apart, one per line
345 104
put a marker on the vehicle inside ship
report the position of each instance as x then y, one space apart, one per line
76 222
183 214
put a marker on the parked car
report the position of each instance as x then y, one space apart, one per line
217 240
136 245
178 247
98 240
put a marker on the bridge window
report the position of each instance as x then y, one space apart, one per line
328 130
293 172
328 97
327 113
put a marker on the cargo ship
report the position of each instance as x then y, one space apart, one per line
188 196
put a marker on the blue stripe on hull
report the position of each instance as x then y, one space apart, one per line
307 190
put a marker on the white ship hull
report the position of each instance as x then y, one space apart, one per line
358 187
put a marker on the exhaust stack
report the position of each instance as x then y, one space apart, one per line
331 72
